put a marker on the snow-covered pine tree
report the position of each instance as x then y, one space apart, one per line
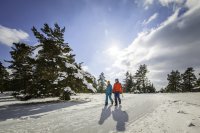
4 77
198 81
21 67
150 88
95 83
101 83
56 70
46 70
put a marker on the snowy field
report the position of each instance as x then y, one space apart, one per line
85 113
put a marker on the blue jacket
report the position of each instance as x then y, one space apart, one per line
109 89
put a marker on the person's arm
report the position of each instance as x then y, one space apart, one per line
110 89
121 88
113 90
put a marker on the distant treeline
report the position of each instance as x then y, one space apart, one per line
185 82
137 83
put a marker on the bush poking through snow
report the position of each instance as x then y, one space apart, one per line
65 95
23 97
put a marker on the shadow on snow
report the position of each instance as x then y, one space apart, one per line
121 117
20 110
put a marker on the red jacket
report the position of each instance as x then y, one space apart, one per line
117 88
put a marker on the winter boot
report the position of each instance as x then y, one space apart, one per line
115 103
106 104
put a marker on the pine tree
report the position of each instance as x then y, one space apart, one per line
56 72
150 88
162 90
52 72
4 77
141 78
189 80
47 69
101 83
174 81
21 68
95 83
128 82
198 82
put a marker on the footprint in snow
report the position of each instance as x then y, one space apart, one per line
191 125
176 101
181 112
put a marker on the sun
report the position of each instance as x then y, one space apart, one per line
113 50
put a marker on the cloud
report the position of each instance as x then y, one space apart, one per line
167 2
175 44
176 3
153 17
192 3
147 3
8 35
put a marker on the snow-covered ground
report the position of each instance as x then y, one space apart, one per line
179 114
85 113
10 100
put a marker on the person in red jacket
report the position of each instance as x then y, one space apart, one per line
117 90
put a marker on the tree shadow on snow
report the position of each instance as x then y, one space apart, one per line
21 110
106 112
121 117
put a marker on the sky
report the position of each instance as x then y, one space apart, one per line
112 36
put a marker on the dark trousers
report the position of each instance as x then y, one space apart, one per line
117 98
109 96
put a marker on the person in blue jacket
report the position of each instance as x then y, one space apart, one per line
108 93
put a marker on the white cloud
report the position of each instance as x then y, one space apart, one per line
153 17
8 35
147 3
192 3
167 2
175 44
